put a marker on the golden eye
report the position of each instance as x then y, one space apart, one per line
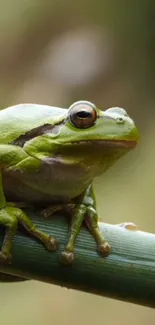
82 114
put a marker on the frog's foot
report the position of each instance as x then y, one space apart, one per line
128 225
50 210
5 258
104 249
51 244
67 257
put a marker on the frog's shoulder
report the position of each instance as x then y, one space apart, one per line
18 119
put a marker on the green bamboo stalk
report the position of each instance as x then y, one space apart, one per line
128 274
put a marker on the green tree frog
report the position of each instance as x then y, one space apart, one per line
49 157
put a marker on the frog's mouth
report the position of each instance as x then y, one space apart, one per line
128 144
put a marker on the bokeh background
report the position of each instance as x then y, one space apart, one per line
56 52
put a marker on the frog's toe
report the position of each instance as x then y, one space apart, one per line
67 258
46 213
104 249
5 258
52 244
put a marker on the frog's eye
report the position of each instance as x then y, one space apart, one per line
82 114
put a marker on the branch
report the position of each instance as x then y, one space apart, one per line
128 274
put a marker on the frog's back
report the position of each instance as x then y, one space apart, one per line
20 119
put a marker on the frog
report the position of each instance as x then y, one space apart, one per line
49 158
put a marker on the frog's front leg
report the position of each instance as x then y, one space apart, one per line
92 222
79 212
85 210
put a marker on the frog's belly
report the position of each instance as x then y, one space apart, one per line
52 183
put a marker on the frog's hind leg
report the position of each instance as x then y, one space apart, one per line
9 221
10 217
49 241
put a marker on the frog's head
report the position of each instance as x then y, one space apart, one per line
86 122
95 137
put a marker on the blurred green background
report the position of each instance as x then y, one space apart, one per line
56 52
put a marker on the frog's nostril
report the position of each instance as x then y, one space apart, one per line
120 120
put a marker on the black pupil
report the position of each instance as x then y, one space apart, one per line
83 114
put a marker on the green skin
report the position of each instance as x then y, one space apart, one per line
47 160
